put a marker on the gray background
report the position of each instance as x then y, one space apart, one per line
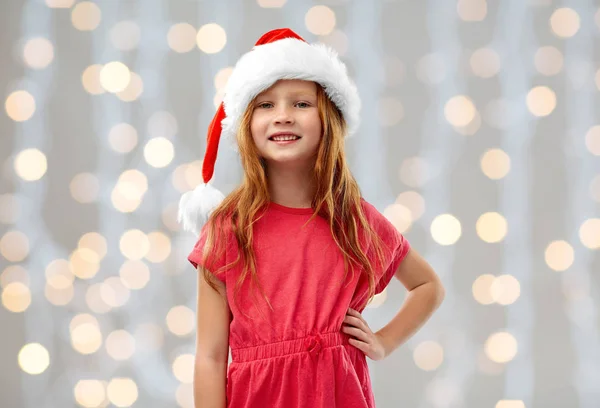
546 196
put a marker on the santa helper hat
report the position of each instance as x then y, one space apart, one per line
278 54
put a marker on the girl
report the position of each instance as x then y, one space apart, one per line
290 259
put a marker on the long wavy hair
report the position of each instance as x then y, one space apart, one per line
337 199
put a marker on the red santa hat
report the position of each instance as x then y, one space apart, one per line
278 54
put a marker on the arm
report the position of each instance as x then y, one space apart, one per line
212 345
425 294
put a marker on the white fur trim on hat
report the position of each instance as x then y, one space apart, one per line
288 58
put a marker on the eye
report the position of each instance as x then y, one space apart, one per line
262 105
305 105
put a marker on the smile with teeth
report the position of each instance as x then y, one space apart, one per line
284 138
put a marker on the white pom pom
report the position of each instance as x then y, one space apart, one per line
195 207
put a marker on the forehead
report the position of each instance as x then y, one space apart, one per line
291 87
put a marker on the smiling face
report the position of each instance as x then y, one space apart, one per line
289 107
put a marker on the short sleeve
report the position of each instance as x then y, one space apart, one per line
195 256
396 246
401 248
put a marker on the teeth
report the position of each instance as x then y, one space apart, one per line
285 138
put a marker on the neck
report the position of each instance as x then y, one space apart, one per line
291 186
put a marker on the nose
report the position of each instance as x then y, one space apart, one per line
283 115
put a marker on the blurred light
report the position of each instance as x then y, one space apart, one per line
159 152
482 289
548 60
181 320
597 79
428 355
320 20
90 393
183 368
399 216
592 140
541 101
472 10
211 38
491 227
589 233
115 76
337 40
9 208
471 128
445 229
459 110
84 263
169 216
59 296
414 202
431 69
510 404
495 164
38 53
31 164
59 275
390 111
594 189
271 3
94 242
122 138
91 80
181 37
14 273
414 172
60 3
134 244
134 89
20 106
16 297
149 337
162 124
122 203
125 35
485 62
93 299
113 292
160 247
505 289
86 16
85 334
84 188
559 255
185 395
134 274
120 345
501 347
122 392
14 246
564 22
222 77
132 184
395 71
34 358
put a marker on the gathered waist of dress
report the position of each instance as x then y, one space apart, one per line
313 344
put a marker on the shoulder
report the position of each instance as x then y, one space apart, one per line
380 223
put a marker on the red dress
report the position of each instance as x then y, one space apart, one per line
297 356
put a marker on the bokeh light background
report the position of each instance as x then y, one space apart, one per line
480 141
